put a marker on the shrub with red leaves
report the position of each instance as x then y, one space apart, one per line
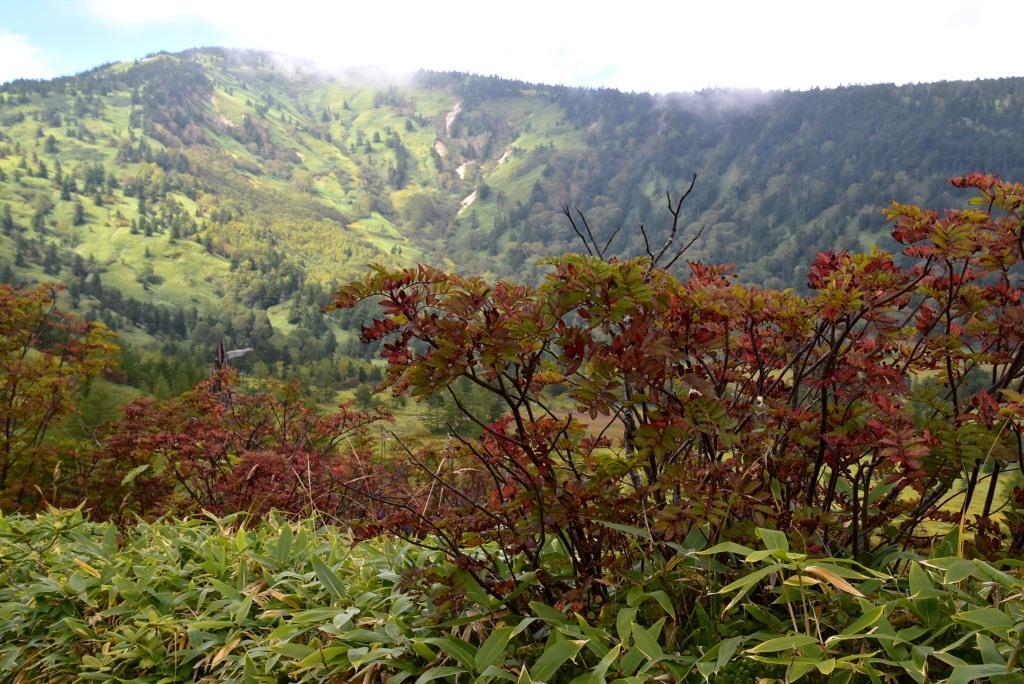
219 449
844 416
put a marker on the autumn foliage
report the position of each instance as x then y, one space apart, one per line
46 356
846 416
219 449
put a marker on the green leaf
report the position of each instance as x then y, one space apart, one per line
293 651
797 669
493 650
726 547
989 618
547 613
284 545
826 666
554 657
523 624
997 575
783 643
866 620
313 616
630 661
624 623
726 650
134 473
959 570
598 672
495 673
750 579
962 674
328 578
920 582
630 530
438 673
455 648
243 610
746 583
773 539
990 654
664 601
646 642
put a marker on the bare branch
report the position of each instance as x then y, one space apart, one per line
590 234
579 233
675 209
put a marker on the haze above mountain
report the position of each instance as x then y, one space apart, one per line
653 46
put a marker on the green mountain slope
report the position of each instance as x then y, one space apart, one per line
208 193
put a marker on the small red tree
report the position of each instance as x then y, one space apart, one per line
219 449
46 357
738 406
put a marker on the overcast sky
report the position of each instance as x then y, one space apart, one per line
671 45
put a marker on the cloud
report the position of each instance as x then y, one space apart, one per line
644 45
21 59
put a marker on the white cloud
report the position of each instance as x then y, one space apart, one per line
640 45
21 59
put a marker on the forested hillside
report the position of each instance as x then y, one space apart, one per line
209 194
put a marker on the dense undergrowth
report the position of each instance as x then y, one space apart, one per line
210 599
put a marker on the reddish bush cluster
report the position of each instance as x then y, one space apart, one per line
846 417
219 449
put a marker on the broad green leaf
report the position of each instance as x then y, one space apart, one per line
773 539
328 578
243 609
496 673
750 579
798 669
284 544
624 623
726 650
664 601
438 673
959 570
522 626
314 616
646 642
783 643
493 649
727 547
598 672
461 651
547 613
962 674
866 620
920 582
293 651
989 618
990 654
630 530
553 657
1009 581
134 473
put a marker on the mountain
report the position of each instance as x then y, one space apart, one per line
216 193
